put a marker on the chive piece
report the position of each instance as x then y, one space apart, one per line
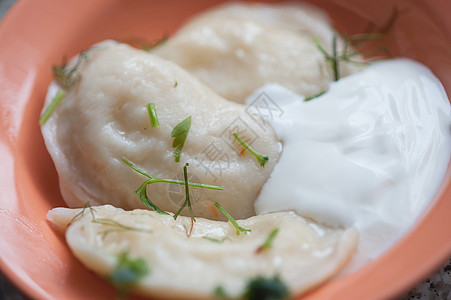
179 133
268 242
153 115
315 96
235 224
127 273
261 288
261 159
49 110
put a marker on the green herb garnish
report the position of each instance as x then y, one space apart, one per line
235 224
315 96
82 212
153 115
219 241
49 110
199 185
142 190
187 200
116 226
357 40
179 133
261 288
127 273
149 46
261 159
176 84
268 242
219 292
331 58
66 77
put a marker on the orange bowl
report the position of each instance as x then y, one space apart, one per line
36 34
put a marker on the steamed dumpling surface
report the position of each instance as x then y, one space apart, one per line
303 253
104 118
239 47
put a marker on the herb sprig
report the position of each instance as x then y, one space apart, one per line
258 288
179 133
219 241
315 96
65 77
261 159
127 273
268 242
262 288
148 46
142 190
187 201
238 228
87 205
116 226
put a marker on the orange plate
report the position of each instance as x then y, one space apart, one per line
36 34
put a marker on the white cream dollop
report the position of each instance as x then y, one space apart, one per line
371 152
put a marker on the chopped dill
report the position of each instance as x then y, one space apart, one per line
65 76
127 273
82 212
187 200
268 242
232 220
219 241
155 43
315 96
199 185
142 190
179 133
261 159
153 115
219 292
261 288
116 226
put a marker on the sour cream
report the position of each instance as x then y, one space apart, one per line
370 153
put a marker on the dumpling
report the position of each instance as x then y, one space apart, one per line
237 48
302 253
103 118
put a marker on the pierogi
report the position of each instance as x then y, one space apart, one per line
103 118
237 48
303 254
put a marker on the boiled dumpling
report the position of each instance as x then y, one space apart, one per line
303 253
237 48
103 118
